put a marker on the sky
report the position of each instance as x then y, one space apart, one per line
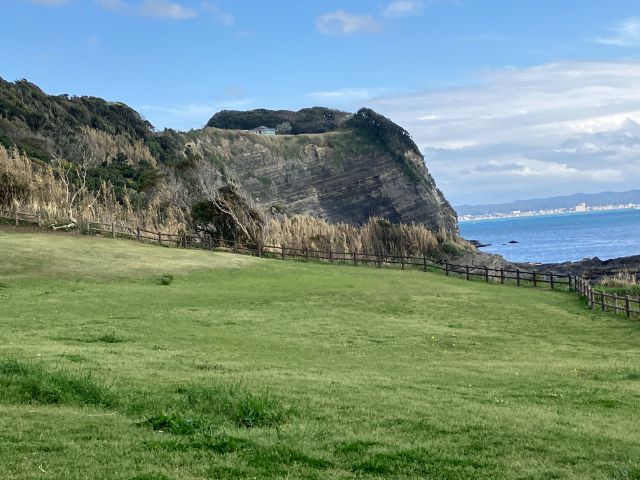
506 99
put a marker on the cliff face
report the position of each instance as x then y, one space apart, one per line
333 165
337 176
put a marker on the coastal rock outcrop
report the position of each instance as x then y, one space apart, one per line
338 166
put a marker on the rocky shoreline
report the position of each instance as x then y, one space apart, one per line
591 268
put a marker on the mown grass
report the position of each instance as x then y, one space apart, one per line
257 368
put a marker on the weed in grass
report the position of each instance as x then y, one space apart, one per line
110 337
631 375
356 447
208 367
173 424
151 476
269 458
29 383
223 444
72 357
237 404
166 279
417 461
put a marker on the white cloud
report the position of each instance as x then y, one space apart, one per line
50 3
220 16
625 34
150 8
167 9
404 8
190 115
345 95
550 129
342 23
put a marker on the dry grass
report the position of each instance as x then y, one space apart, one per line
622 279
57 194
59 197
378 236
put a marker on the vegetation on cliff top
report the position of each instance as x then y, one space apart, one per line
307 120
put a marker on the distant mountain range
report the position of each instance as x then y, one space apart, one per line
568 201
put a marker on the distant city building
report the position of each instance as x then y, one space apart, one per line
264 131
581 207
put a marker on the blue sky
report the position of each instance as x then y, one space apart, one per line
507 99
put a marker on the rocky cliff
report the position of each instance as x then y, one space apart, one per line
330 164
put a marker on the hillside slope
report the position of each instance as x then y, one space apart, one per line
336 166
253 368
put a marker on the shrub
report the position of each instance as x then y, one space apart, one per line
166 279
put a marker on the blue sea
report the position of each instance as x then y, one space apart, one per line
559 238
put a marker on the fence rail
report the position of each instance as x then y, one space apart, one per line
596 300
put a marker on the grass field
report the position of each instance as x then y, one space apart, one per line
253 368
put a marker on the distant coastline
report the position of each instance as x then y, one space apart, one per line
561 237
581 208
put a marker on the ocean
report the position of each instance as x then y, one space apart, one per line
559 238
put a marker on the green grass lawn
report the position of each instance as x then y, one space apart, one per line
254 368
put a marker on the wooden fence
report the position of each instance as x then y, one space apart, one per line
600 300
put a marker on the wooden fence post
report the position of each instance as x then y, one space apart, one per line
402 260
517 277
569 280
16 217
210 243
259 250
138 233
379 261
551 280
466 270
282 251
591 298
159 238
446 268
502 276
330 255
424 262
306 253
535 278
588 296
615 303
39 219
355 259
627 309
486 274
113 229
235 246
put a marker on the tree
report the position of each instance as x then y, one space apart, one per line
283 128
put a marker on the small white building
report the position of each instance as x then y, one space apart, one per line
264 131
